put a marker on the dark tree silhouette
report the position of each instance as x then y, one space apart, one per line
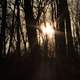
18 27
64 23
2 35
30 26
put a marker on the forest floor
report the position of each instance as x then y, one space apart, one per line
22 68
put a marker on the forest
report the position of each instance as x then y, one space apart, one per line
40 39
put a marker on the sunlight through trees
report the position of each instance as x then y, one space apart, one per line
29 25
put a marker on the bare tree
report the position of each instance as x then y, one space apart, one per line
18 26
2 35
65 23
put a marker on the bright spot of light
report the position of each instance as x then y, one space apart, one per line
47 29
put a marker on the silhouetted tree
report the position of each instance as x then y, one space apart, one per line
65 23
31 30
2 35
18 27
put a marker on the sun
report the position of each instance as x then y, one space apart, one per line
47 29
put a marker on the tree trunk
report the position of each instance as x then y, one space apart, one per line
2 35
60 39
18 27
30 26
71 51
64 23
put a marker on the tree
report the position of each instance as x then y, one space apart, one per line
64 23
18 26
2 35
31 22
68 30
31 30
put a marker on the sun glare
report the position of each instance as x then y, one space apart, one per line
48 29
48 37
